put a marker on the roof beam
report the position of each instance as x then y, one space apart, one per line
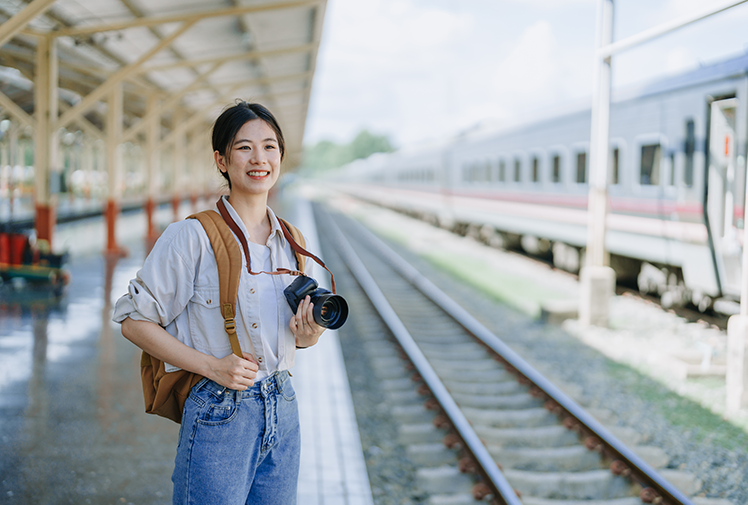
186 17
317 25
84 124
234 57
259 81
168 103
196 118
19 21
17 112
122 74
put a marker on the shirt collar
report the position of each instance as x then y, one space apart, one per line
275 228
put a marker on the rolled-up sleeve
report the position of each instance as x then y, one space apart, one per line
165 284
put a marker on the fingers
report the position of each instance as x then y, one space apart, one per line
303 326
253 365
305 313
236 373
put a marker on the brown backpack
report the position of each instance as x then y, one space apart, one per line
166 393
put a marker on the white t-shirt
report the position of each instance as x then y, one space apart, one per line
260 261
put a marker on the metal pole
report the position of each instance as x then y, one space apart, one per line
152 164
178 161
114 166
736 386
598 279
599 142
665 28
13 161
46 144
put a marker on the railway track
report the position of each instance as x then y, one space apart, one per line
477 420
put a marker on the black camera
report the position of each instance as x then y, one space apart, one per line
330 311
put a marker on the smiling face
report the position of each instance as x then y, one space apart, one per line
252 160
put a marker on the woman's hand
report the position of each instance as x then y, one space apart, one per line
303 326
234 372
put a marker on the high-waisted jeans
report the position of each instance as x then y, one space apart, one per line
239 447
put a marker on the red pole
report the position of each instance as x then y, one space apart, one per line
150 207
175 208
112 211
46 218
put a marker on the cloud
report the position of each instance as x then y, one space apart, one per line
381 66
529 67
538 72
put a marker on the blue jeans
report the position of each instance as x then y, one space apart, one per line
239 447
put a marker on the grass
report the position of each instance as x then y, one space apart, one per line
681 411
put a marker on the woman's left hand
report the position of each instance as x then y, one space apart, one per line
303 326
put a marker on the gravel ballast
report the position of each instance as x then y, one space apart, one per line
680 415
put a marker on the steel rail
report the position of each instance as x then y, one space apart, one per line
640 470
497 481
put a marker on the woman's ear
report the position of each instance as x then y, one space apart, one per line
220 161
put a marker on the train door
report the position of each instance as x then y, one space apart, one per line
721 195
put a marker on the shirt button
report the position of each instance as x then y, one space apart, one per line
252 290
259 359
208 301
254 325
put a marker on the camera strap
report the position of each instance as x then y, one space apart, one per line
287 234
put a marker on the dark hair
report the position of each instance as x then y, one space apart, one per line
231 121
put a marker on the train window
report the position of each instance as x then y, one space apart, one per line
650 165
614 163
556 168
488 171
689 148
671 174
535 169
582 167
517 169
502 170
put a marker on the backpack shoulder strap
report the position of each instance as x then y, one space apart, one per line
299 239
229 260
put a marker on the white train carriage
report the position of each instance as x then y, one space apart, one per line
676 184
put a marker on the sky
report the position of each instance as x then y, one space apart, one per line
418 70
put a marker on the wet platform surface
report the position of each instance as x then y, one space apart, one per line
72 426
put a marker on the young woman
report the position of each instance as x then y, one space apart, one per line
239 440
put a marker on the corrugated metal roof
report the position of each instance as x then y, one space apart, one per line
257 50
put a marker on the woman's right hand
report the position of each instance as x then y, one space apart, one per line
234 372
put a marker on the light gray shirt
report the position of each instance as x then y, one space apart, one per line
177 288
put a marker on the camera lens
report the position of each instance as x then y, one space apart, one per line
330 311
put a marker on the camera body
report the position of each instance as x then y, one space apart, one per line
330 311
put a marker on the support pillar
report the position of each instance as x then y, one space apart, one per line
12 162
5 167
153 167
87 165
178 166
737 368
114 168
46 142
737 336
194 168
597 279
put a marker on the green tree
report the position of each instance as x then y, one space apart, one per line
325 154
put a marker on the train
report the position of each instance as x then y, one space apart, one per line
676 185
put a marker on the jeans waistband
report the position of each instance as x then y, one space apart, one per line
264 387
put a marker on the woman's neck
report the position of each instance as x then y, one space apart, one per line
253 213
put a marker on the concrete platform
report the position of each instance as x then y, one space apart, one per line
72 426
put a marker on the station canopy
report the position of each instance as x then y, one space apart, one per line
195 57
